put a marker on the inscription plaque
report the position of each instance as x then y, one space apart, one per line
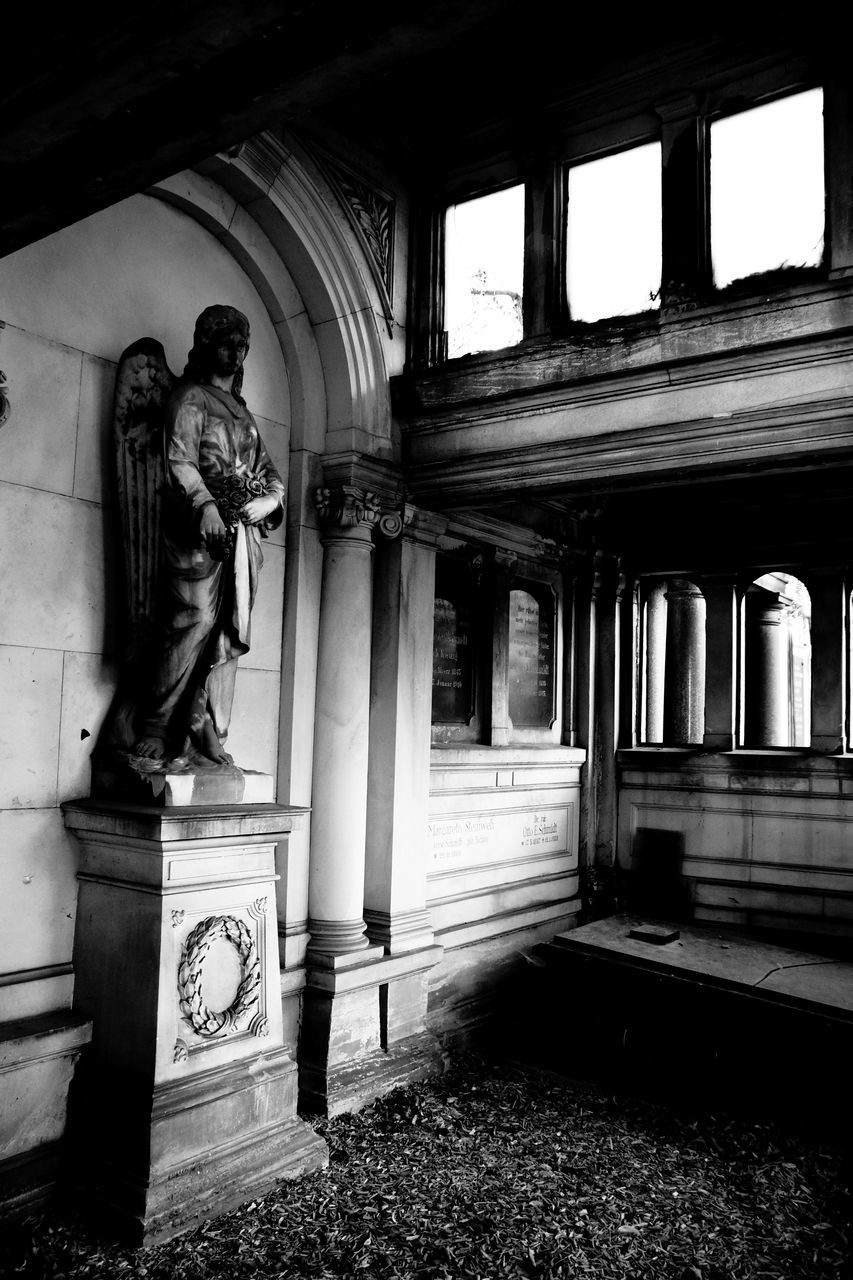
532 612
484 838
452 646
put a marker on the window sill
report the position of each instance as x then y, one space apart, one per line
761 757
741 316
443 754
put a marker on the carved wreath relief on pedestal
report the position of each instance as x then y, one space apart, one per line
205 1021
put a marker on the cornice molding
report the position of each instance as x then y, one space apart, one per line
774 437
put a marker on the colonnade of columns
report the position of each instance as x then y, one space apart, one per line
726 665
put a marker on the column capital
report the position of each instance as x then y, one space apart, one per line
346 507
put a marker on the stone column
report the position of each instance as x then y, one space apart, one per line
767 692
684 695
339 792
655 663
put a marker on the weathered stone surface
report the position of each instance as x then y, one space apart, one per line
187 1101
37 1060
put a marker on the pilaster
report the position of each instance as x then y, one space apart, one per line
400 718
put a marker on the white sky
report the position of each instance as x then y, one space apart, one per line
767 188
613 234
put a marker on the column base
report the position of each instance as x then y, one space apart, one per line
400 930
363 1030
148 1167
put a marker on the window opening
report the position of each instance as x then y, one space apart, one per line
613 234
484 272
777 662
767 188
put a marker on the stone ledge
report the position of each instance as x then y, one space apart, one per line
191 822
52 1034
374 973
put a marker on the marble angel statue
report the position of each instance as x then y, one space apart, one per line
197 493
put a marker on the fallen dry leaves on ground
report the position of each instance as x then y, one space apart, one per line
495 1170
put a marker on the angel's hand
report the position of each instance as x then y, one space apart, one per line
212 529
257 509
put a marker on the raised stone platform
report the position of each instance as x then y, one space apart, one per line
714 1014
723 958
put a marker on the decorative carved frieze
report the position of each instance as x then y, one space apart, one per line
203 1020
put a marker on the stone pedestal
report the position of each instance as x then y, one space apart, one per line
185 1105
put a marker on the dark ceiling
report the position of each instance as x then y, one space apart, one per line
97 103
93 108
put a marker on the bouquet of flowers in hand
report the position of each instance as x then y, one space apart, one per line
231 493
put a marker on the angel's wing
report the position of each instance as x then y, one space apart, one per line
143 385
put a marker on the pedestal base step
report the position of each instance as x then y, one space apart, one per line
146 1165
143 1214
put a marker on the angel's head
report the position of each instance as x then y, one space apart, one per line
220 345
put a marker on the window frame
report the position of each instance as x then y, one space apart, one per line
685 225
727 109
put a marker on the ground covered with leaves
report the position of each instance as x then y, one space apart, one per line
501 1171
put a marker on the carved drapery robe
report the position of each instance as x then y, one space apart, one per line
203 610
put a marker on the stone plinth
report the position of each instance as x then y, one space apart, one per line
167 788
363 1028
185 1105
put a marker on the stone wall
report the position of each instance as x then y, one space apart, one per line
71 304
758 840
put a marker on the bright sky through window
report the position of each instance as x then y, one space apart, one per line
767 188
484 272
613 234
